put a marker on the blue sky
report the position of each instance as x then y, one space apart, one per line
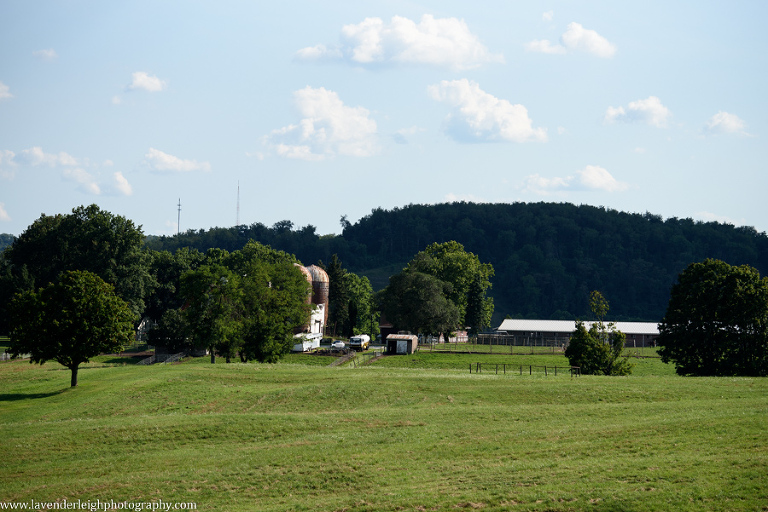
323 109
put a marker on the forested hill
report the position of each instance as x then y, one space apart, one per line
547 256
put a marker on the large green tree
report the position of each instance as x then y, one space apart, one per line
214 309
717 321
419 303
274 308
469 279
247 303
89 239
69 321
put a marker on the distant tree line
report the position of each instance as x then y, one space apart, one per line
547 256
72 285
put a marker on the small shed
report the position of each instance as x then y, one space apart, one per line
402 343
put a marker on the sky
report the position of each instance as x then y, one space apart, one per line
255 111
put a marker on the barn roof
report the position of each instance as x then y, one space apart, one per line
568 326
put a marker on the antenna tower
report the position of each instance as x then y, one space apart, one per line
237 222
178 219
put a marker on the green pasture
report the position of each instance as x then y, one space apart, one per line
401 433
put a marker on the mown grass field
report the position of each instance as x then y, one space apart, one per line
404 433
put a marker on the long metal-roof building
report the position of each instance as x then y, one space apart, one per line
637 333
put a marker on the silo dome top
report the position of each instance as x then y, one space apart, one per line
305 271
318 274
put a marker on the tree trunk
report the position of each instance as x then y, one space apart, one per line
213 357
73 381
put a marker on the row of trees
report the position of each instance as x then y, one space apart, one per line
73 286
551 254
55 278
716 324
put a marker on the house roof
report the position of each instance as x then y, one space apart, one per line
568 326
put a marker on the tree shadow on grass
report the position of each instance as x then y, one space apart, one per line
13 397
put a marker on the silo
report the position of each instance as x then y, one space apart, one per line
308 276
320 288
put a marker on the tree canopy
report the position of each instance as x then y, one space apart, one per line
419 303
88 239
717 321
550 254
69 321
246 303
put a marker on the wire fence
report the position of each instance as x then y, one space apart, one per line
573 371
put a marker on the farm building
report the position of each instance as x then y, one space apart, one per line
308 336
402 343
639 334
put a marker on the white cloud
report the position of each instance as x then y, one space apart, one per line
116 100
544 46
6 157
142 80
479 116
722 219
163 162
723 122
545 186
403 135
592 177
48 54
5 91
649 111
327 128
319 52
547 16
576 38
121 185
4 217
35 156
597 178
444 42
86 181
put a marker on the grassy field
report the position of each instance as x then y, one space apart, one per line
403 433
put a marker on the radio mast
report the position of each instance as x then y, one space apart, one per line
237 222
178 219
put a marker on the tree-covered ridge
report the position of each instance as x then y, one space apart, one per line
547 256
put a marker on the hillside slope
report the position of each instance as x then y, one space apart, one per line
547 256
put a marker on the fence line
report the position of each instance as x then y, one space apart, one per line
573 370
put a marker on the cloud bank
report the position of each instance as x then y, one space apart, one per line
71 168
158 161
592 177
575 39
146 82
723 122
649 111
481 117
5 91
443 42
328 128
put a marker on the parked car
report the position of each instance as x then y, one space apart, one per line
338 345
